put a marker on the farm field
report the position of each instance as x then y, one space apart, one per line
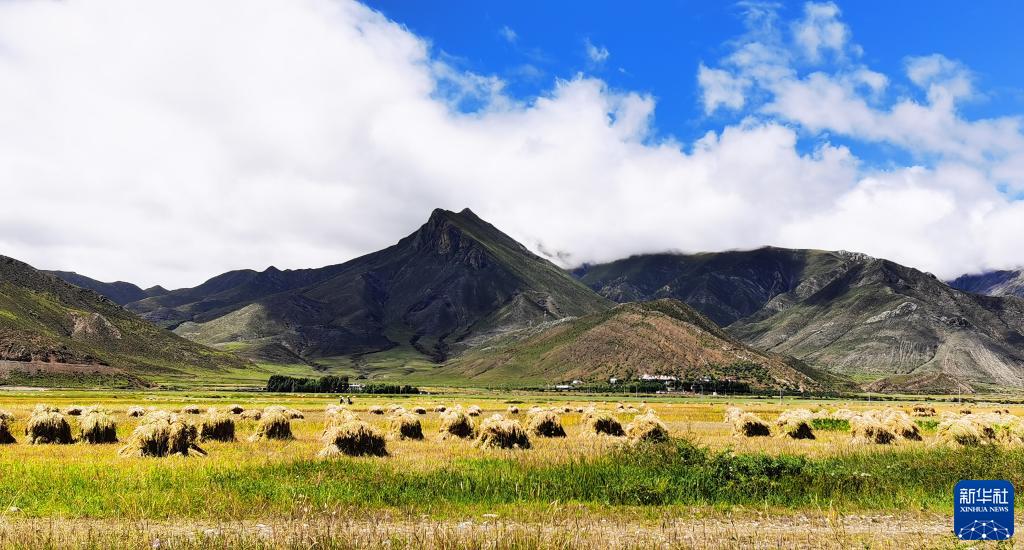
704 488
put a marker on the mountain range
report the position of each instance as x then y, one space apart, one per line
993 283
50 329
462 294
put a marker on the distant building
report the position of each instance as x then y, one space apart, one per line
657 378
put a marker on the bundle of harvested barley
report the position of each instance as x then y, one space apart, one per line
869 428
456 424
601 423
732 413
843 414
217 426
647 428
395 409
512 409
74 410
294 414
419 410
440 409
962 432
534 410
163 435
901 424
796 424
251 414
375 409
354 438
98 427
474 410
406 426
920 409
47 425
136 411
191 409
6 437
274 424
546 424
235 409
750 425
501 433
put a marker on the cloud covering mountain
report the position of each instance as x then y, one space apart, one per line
166 141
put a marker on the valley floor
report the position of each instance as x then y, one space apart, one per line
706 488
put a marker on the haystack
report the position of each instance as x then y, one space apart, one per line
869 428
274 424
602 423
440 409
962 432
235 409
498 432
136 411
354 438
217 426
512 409
191 409
294 414
375 409
474 410
6 415
647 428
419 410
163 435
395 409
74 410
750 425
843 414
251 414
922 410
98 427
901 424
546 424
47 425
6 437
456 424
406 426
796 424
732 413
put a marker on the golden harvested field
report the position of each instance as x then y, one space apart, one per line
707 487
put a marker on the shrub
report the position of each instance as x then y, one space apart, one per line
498 432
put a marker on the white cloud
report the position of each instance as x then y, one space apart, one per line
508 34
720 88
596 54
821 30
311 131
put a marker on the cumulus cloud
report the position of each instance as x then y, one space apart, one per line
151 142
820 30
508 34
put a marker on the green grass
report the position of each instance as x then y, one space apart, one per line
831 424
674 474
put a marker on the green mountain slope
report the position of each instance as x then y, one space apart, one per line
659 337
840 311
46 321
456 279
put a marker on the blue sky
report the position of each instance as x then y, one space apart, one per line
310 132
655 47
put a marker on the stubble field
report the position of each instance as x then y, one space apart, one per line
704 488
